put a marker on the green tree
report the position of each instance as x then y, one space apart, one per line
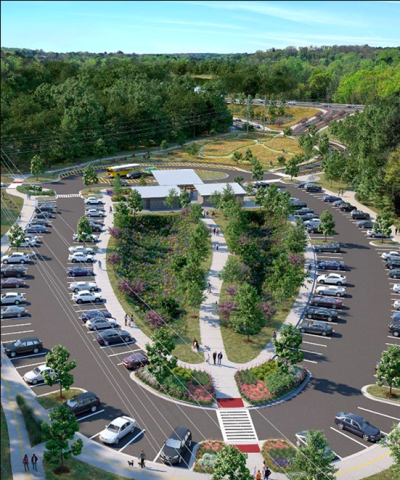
83 229
142 181
159 354
392 441
284 278
37 166
194 295
196 212
327 226
58 434
389 368
163 145
287 131
292 168
334 166
275 203
100 148
323 144
287 347
135 201
57 360
215 199
312 130
296 238
193 149
313 460
16 236
89 176
184 199
248 317
239 180
122 216
237 157
257 172
118 188
230 464
199 242
383 225
172 199
281 161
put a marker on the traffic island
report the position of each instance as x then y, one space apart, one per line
206 455
382 394
278 454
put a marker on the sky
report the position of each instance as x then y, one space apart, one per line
196 26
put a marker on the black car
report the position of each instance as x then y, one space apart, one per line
330 265
357 425
135 361
316 313
317 328
17 271
83 402
23 345
113 337
311 187
306 216
45 223
365 224
394 329
96 227
134 174
392 264
95 313
395 273
177 444
331 198
303 211
44 215
328 247
45 208
359 215
313 228
347 207
298 204
302 184
79 271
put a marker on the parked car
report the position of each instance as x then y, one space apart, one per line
394 328
86 239
35 228
45 208
396 287
80 257
12 298
23 345
29 242
313 228
13 271
302 184
36 376
113 337
392 264
312 187
373 234
44 223
396 305
332 279
96 226
88 314
394 255
117 429
86 296
331 198
92 212
81 249
304 211
176 445
80 271
339 202
327 302
395 273
297 205
359 215
29 236
365 224
306 216
94 201
83 402
12 282
357 425
135 361
79 286
15 257
330 290
317 328
328 247
101 323
44 215
318 313
315 222
134 175
347 207
12 311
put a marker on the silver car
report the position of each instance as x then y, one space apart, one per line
330 290
12 311
78 286
36 375
99 323
15 257
12 298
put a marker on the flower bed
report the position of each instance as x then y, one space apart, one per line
278 454
194 386
206 455
253 382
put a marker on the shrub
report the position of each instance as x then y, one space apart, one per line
278 454
208 460
278 380
34 190
207 449
33 425
247 377
263 370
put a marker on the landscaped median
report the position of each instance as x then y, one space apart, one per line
206 455
267 383
278 454
35 190
384 393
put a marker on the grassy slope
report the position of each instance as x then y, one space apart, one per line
10 209
385 475
6 473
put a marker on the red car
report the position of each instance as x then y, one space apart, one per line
134 361
328 302
12 282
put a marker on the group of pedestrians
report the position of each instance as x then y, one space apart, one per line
34 461
129 320
262 474
217 358
215 231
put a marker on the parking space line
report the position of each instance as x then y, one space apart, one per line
309 351
13 333
158 454
91 415
132 440
316 336
26 356
350 438
123 353
19 325
393 337
309 361
317 344
30 365
391 344
94 436
377 413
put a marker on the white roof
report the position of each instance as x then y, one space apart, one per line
177 177
209 188
156 191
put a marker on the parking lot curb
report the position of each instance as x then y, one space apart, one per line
376 399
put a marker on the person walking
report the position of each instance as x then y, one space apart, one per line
209 287
267 473
274 335
208 358
131 322
215 357
110 209
126 319
25 461
258 475
217 248
142 458
34 460
99 264
220 358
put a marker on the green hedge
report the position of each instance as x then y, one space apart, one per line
33 425
34 190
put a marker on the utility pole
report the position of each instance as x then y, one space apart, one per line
265 107
248 112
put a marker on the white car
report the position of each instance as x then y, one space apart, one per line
12 298
331 290
99 323
12 312
396 304
86 296
332 279
117 429
93 201
16 257
88 239
396 288
36 375
391 255
92 212
85 250
315 222
373 234
79 286
29 236
80 257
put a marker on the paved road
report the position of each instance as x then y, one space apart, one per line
340 366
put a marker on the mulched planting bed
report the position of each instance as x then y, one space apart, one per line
278 454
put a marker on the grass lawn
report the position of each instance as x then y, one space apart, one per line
332 186
93 191
6 472
383 392
52 400
32 422
43 177
288 144
210 175
78 471
220 147
385 242
385 475
10 209
266 156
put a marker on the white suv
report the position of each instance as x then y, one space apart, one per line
86 296
93 201
77 249
332 279
12 298
80 257
79 286
15 257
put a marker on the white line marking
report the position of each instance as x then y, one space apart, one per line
91 415
26 356
30 365
393 337
317 344
123 353
317 336
377 413
158 454
95 435
341 433
390 344
309 351
309 361
132 440
13 333
19 325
